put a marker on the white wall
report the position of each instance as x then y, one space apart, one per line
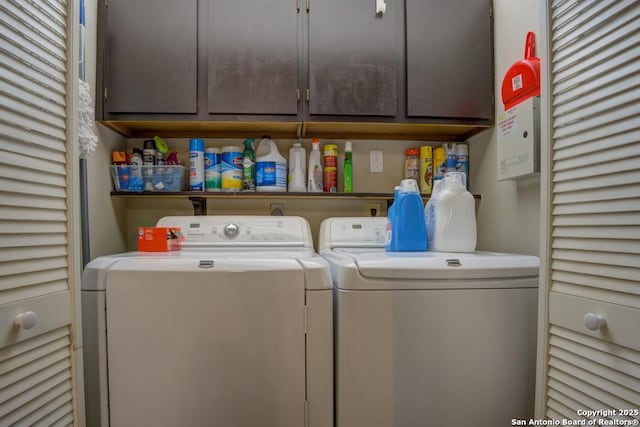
509 213
107 215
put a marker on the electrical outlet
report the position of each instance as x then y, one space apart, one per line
276 209
376 161
372 209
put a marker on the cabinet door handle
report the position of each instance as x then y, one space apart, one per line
593 322
26 320
381 7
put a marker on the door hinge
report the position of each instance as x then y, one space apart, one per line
106 93
491 11
298 95
308 95
305 320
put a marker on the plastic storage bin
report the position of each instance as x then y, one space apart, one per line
135 178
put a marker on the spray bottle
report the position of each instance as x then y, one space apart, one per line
315 168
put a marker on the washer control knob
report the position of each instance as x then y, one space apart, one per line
26 320
231 231
594 322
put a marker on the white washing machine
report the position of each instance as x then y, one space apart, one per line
234 330
427 338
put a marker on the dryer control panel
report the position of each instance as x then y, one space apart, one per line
249 231
353 232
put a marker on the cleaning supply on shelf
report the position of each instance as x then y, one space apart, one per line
330 169
122 171
160 145
426 169
408 228
135 167
271 167
212 178
450 216
348 168
439 166
462 161
412 164
297 168
314 183
148 160
231 168
451 158
196 164
248 166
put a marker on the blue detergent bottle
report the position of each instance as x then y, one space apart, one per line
408 226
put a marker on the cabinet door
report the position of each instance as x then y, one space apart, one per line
449 59
151 56
253 57
353 58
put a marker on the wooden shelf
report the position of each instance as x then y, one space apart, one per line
199 199
254 195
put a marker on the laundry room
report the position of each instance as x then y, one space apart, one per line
284 163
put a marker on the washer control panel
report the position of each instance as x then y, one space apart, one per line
207 231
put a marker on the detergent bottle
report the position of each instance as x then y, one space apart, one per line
452 216
315 172
271 167
406 217
297 168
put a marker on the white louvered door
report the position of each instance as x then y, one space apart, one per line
38 268
592 265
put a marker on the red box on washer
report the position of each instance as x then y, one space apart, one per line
159 239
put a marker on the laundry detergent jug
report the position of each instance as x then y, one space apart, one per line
271 167
408 230
450 216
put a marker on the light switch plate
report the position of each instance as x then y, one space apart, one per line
376 161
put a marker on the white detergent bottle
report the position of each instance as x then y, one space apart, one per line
454 216
297 168
271 167
314 182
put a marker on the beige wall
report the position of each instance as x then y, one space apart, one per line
107 215
509 213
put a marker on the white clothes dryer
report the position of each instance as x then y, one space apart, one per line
427 338
233 330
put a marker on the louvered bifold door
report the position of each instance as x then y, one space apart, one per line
593 359
35 353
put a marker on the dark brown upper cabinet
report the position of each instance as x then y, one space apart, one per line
353 57
252 54
449 59
150 56
302 68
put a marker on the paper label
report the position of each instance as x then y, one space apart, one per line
508 122
516 82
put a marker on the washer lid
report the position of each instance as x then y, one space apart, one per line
380 264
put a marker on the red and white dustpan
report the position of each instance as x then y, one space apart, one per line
522 80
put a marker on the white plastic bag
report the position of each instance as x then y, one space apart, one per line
87 138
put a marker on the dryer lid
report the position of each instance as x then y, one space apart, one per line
380 264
